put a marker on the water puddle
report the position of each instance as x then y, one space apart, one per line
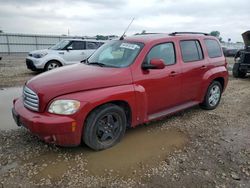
53 166
141 148
6 97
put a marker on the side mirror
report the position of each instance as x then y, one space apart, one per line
154 64
69 48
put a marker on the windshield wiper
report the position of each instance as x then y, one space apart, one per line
97 63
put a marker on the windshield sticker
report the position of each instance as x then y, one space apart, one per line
129 46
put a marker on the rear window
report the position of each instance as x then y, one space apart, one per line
213 48
191 50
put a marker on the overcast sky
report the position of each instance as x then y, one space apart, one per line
92 17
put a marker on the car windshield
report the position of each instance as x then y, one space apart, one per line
61 45
116 53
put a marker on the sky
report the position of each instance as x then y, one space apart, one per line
106 17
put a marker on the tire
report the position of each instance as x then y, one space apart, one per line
236 71
213 96
104 127
52 65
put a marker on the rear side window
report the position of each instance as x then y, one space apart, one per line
163 51
191 50
213 48
92 45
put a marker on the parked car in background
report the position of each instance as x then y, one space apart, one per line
224 49
66 52
125 83
242 58
231 52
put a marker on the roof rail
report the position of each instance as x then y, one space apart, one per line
147 33
180 33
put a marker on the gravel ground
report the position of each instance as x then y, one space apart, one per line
13 71
208 149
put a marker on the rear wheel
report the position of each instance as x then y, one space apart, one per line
105 127
52 65
213 96
236 71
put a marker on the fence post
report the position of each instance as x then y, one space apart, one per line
8 43
36 43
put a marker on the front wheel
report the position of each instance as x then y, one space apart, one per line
52 65
213 96
104 127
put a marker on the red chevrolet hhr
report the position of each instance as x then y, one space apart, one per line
123 84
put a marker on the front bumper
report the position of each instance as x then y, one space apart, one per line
51 128
35 64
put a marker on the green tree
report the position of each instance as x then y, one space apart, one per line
101 37
1 31
216 34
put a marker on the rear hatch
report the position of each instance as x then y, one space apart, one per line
246 38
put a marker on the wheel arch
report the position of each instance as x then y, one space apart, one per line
221 80
121 103
53 60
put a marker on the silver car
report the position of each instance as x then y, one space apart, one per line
66 52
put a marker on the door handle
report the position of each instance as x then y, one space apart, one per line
203 67
173 74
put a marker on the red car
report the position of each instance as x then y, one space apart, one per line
123 84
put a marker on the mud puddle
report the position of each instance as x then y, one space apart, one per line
6 97
141 149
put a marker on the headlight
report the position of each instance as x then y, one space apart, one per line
65 107
39 55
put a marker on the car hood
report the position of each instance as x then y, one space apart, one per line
75 78
39 51
246 38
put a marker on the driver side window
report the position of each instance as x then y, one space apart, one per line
163 51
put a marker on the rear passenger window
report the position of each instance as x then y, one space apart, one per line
163 51
213 48
92 45
191 50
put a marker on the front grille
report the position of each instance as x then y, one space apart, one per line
30 99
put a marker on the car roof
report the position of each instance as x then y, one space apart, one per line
91 40
148 38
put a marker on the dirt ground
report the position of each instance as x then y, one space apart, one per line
194 148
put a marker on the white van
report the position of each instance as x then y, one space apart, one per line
66 52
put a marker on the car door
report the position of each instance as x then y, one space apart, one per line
194 66
74 52
162 86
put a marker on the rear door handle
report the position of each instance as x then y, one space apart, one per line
203 67
173 74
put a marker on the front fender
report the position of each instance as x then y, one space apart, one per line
51 57
134 96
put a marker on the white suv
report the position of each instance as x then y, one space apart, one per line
66 52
